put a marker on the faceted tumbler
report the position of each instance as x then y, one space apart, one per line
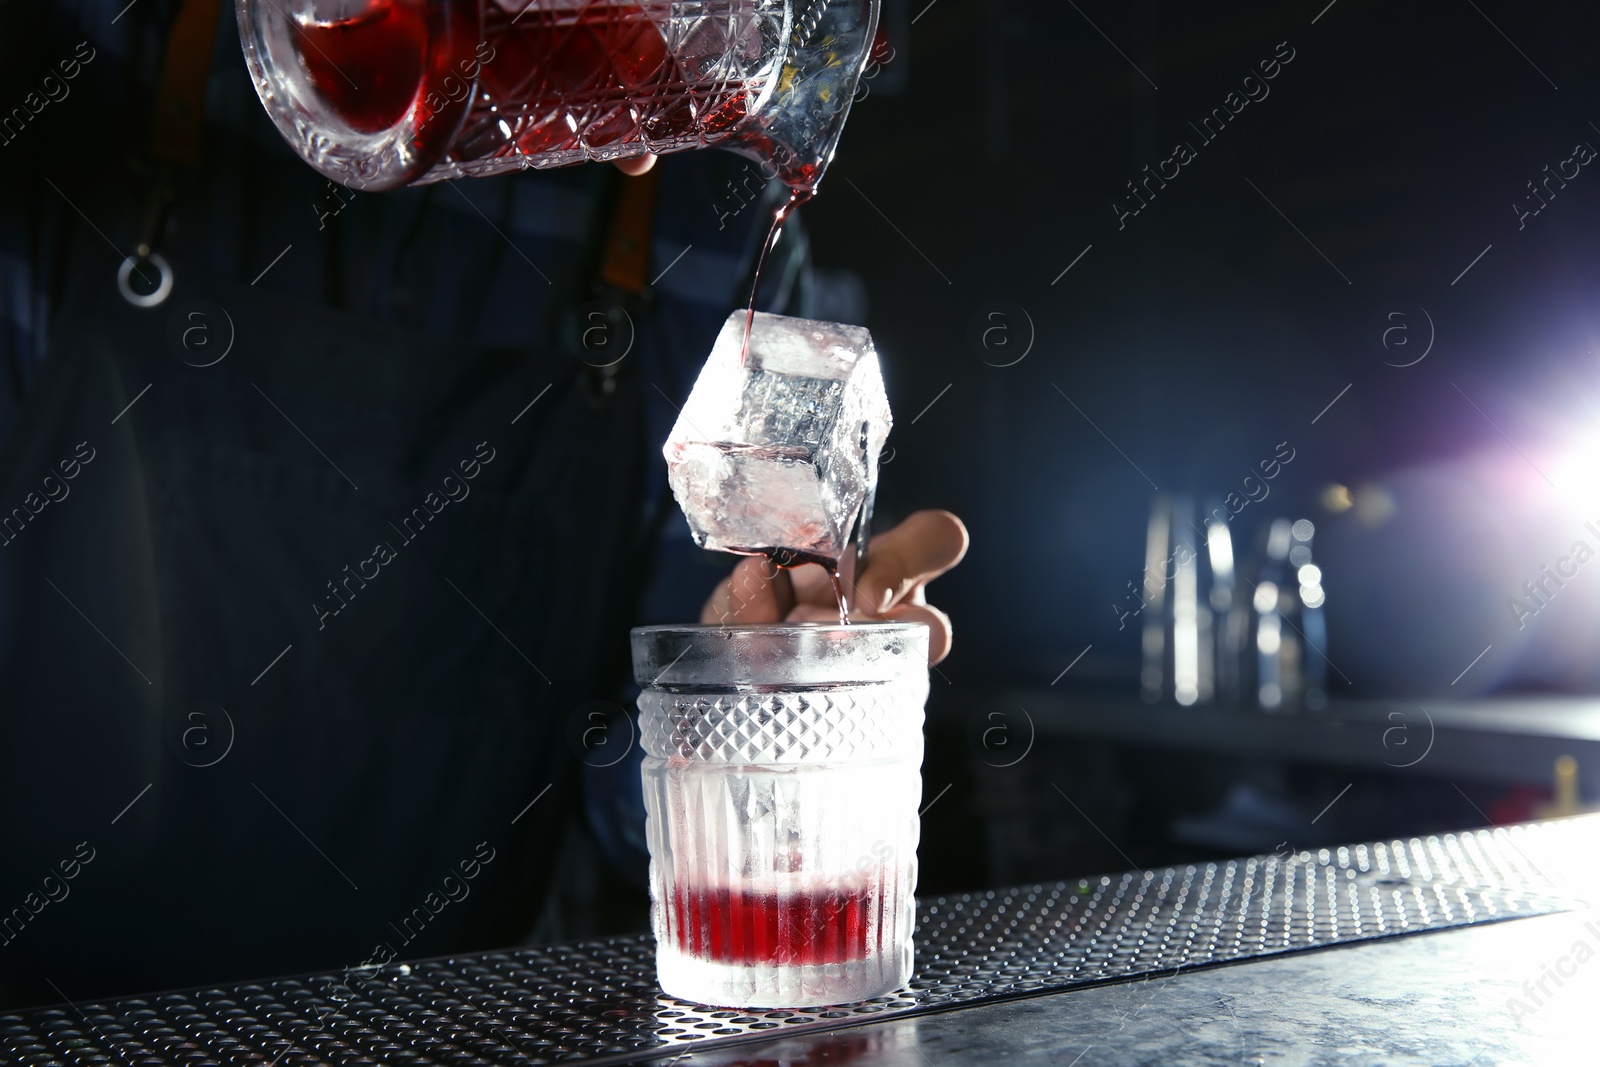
782 774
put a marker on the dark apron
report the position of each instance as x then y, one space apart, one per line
307 808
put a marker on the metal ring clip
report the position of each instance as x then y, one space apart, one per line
163 288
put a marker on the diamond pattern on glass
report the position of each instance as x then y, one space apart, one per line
870 722
596 79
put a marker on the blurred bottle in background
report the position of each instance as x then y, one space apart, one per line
1287 629
1248 633
1180 582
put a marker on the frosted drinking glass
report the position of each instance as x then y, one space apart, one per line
782 775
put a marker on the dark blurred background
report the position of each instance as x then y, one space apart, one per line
1389 155
1113 255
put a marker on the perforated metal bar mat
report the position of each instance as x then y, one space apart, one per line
598 1003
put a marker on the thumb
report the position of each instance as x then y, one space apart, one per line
921 548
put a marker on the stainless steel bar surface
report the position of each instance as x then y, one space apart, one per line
597 1002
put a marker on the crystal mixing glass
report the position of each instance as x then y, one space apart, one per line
382 93
782 775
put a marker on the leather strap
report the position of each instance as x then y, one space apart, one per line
180 98
625 263
175 129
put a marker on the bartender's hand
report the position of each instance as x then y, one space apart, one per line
900 564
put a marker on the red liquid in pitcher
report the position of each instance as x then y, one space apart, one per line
604 68
737 926
367 68
549 79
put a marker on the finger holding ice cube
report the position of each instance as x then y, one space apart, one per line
893 587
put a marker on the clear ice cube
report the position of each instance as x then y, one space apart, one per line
780 451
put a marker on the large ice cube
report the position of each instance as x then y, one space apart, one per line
781 451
